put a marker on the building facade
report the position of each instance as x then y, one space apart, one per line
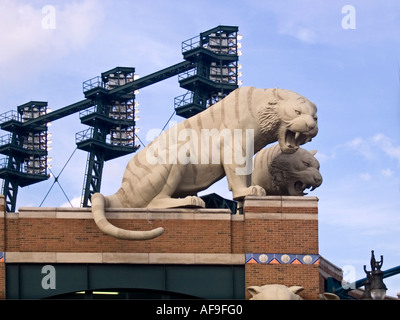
203 253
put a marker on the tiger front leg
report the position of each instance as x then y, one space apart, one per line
239 167
240 187
239 182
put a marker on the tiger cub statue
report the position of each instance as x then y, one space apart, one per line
286 174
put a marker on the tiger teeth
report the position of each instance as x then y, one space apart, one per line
297 135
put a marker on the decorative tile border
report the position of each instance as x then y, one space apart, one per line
282 258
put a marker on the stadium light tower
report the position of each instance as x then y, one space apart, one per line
215 54
111 118
25 148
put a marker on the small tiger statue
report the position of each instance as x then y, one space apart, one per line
286 174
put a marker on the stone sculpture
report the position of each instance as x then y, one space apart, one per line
200 150
286 174
328 296
275 292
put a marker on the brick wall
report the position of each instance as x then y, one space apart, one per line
272 225
73 230
288 275
2 249
277 227
281 224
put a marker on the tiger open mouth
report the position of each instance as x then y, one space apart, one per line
294 139
299 187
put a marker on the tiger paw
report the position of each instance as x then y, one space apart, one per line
195 201
250 191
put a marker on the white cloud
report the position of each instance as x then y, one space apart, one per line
306 35
314 22
387 172
361 146
322 156
387 146
370 148
20 30
355 143
365 176
26 41
368 191
75 202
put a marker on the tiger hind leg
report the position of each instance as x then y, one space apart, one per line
172 176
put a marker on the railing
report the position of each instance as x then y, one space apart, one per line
216 43
31 142
6 139
187 74
118 136
84 135
29 166
122 111
112 82
3 163
88 111
92 83
183 100
10 115
216 74
190 44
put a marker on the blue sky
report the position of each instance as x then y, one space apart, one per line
351 74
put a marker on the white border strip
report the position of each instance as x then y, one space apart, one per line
146 214
134 258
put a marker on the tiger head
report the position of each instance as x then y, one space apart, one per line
293 173
291 117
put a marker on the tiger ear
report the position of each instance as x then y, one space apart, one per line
275 91
276 96
253 290
313 152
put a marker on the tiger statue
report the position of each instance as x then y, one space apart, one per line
286 174
275 292
181 161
